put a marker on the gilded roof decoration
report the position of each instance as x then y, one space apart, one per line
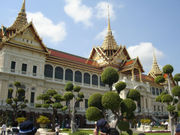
21 19
155 70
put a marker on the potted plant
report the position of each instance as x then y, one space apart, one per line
43 121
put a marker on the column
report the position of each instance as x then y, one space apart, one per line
140 75
132 72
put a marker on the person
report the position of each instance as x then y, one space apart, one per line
27 128
57 129
166 125
103 126
3 129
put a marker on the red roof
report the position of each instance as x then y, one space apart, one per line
129 63
71 57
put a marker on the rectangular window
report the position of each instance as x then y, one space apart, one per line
86 103
13 65
32 97
24 68
34 70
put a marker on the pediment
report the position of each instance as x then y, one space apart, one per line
28 37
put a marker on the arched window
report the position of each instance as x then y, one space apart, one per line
59 73
86 78
160 91
157 91
78 76
69 75
101 83
95 80
153 90
48 72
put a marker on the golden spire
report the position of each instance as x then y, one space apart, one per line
155 70
21 19
109 42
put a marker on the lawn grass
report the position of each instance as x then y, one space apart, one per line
124 133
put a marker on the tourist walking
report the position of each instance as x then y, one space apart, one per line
3 129
57 129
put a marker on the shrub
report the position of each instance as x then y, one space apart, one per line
77 88
168 69
43 120
95 100
69 86
176 91
20 119
145 121
158 99
128 105
120 86
159 79
68 96
109 76
111 100
134 95
177 77
123 125
171 108
167 98
93 114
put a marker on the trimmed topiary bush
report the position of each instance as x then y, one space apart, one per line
128 105
168 69
159 79
123 125
68 96
134 95
120 86
95 100
158 99
111 100
176 91
93 114
20 119
109 76
167 98
171 108
77 88
69 86
177 77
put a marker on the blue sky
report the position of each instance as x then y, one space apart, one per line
76 26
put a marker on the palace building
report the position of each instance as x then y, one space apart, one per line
26 59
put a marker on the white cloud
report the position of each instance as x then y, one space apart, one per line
78 11
145 53
46 27
102 10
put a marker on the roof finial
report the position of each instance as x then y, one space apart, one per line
155 70
23 6
21 19
109 26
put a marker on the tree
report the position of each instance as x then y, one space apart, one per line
73 93
171 98
122 109
16 99
110 76
51 100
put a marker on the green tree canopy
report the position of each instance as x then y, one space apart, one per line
134 94
109 76
159 79
69 86
95 100
120 86
176 91
93 114
168 69
111 100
